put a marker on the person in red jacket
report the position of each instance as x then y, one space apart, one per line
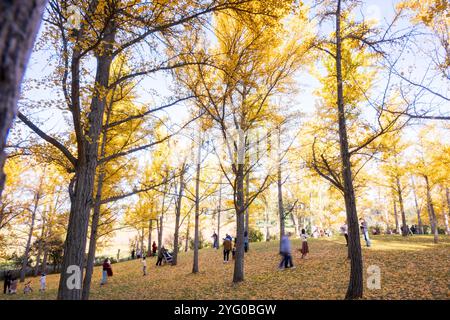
154 248
107 271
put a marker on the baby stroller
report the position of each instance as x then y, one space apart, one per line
167 257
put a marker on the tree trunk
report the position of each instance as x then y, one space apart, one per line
188 227
247 196
402 208
96 213
397 225
431 213
280 191
161 217
219 209
142 240
355 286
44 260
81 197
19 24
177 217
195 268
419 218
267 223
30 234
238 274
40 249
447 213
150 229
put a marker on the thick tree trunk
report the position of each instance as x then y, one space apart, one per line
402 208
238 274
81 197
419 217
26 254
19 24
195 268
96 213
177 217
431 213
355 286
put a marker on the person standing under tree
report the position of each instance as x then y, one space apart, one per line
106 271
7 282
154 248
226 249
144 266
43 282
246 241
215 241
344 231
305 249
365 231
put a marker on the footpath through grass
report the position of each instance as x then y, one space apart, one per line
411 268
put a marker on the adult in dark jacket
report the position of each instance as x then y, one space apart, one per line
7 282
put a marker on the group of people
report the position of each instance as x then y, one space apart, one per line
286 252
319 232
229 245
138 253
364 231
10 283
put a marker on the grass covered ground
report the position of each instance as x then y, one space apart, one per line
411 268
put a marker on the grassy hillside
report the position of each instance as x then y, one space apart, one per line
411 268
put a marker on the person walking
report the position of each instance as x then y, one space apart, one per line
160 256
305 249
285 251
215 241
365 231
43 282
226 249
133 253
7 282
144 266
344 232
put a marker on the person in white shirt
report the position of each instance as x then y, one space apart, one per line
144 266
344 231
305 248
43 281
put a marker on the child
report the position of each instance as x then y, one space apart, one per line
305 248
27 288
144 266
43 281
